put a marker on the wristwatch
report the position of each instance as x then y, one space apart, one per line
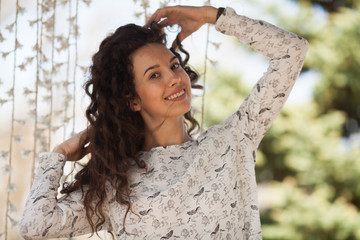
220 11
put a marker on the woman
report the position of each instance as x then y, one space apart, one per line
147 178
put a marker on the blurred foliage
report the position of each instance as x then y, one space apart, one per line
300 215
310 148
329 5
335 54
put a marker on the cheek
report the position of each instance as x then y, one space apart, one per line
149 93
186 81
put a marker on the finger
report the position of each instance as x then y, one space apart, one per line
85 151
79 154
84 138
155 17
166 22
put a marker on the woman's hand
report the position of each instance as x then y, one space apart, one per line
189 18
74 148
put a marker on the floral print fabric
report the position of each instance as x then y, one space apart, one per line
201 189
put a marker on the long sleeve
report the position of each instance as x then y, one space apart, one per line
286 53
45 216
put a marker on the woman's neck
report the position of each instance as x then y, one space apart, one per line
168 132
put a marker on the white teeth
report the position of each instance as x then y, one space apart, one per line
176 95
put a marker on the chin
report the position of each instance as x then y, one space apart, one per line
181 111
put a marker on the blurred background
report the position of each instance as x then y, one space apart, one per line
308 165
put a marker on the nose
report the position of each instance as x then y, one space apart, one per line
174 79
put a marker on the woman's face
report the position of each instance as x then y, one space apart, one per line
163 86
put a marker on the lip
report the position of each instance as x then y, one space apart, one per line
177 91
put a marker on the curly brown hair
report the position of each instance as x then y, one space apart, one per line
116 133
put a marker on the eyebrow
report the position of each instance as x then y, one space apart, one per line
157 65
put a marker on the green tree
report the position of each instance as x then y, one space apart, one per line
334 53
330 6
323 198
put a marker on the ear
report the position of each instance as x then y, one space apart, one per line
135 105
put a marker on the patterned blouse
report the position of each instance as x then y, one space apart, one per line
201 189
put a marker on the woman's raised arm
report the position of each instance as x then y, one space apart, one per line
286 54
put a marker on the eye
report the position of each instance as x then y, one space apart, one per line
154 75
175 66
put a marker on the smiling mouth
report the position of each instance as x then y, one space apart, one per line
176 95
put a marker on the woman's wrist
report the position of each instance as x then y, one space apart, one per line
210 14
58 149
